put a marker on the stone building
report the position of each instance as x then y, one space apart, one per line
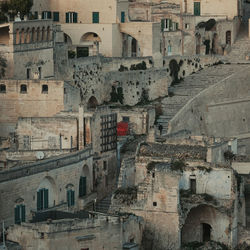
189 185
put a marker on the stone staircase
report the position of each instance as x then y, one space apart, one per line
103 205
189 88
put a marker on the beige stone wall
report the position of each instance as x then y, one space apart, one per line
47 133
100 232
34 103
54 174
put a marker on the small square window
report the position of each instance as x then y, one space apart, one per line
155 204
45 89
23 88
2 88
125 118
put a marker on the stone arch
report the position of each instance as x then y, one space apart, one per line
27 35
38 34
43 34
22 36
198 43
130 46
85 182
48 33
17 36
67 39
90 37
92 103
49 184
203 223
33 35
228 37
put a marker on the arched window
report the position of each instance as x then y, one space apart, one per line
38 35
43 34
28 35
33 35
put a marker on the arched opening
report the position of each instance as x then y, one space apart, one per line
38 35
134 47
46 194
28 35
198 44
92 103
22 36
228 37
90 43
204 223
85 182
49 34
215 44
67 39
33 35
43 34
17 36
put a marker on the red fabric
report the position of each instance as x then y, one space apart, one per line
122 128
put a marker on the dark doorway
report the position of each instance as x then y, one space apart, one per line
207 44
92 103
134 47
206 232
193 186
82 51
228 37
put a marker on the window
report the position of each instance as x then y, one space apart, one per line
193 185
45 89
122 17
2 88
23 88
70 197
36 15
19 214
104 165
155 204
125 118
56 16
83 186
46 15
71 17
197 8
42 199
95 17
28 73
186 26
40 73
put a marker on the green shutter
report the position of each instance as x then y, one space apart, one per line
43 14
95 17
83 186
68 197
67 17
74 17
197 8
36 15
170 24
49 15
56 16
46 198
72 197
23 213
39 205
162 25
122 17
17 215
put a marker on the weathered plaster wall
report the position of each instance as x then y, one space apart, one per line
221 110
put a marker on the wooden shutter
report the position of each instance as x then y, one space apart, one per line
72 197
39 205
23 213
56 16
74 17
49 15
162 25
68 197
67 17
197 8
46 198
95 17
83 186
43 14
17 215
122 17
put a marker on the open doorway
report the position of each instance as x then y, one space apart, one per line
206 232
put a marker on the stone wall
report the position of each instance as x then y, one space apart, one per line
54 174
221 110
32 103
100 232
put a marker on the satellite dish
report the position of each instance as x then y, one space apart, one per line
39 155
